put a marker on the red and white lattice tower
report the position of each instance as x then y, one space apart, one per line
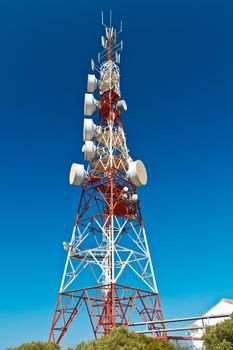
108 268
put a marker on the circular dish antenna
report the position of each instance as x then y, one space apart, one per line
77 174
89 150
134 198
90 104
89 129
91 83
121 105
137 173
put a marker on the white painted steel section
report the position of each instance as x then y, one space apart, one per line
102 245
67 259
137 257
151 266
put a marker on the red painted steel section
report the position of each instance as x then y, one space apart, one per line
106 311
112 304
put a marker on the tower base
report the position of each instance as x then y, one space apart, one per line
108 306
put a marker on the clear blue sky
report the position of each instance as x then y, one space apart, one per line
177 79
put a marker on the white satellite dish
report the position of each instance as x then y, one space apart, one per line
134 197
121 105
90 104
89 150
77 174
89 129
91 83
137 173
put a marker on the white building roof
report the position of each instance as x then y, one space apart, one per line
223 307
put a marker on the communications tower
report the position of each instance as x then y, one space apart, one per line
108 269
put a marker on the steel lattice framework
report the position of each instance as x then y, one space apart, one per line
108 268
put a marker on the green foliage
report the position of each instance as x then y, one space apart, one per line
220 336
36 346
121 339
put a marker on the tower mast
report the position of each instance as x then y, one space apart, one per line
108 268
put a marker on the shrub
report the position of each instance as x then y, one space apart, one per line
122 339
36 346
119 339
219 336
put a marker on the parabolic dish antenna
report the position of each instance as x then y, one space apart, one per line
90 104
77 174
89 128
89 150
137 173
91 83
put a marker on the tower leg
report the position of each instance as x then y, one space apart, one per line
107 306
67 308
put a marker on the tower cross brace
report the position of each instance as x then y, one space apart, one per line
108 269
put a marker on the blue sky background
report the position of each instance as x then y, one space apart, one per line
177 79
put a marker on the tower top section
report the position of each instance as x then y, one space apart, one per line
105 146
112 47
107 79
